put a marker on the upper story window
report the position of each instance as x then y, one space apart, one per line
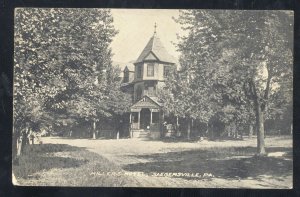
151 91
167 70
126 77
150 70
139 71
139 93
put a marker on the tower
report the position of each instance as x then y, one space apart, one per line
151 68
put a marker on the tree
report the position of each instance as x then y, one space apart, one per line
60 54
99 101
242 53
192 92
265 58
280 108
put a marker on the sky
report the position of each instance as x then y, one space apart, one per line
136 27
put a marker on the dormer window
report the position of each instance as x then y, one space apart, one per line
150 69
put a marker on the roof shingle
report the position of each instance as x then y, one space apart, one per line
156 47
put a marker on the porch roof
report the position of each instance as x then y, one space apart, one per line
146 102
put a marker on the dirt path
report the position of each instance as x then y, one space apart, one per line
125 152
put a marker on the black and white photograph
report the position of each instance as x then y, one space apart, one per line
153 98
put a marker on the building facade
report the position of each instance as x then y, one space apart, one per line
142 80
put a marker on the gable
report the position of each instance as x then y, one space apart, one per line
151 56
145 102
157 49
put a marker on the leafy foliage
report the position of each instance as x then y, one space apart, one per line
63 65
232 63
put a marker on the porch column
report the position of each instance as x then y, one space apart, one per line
150 116
139 119
130 125
162 120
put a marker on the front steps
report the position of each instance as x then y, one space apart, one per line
144 134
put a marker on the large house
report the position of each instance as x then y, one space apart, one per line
142 79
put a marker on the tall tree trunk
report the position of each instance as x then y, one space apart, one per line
16 136
177 126
227 130
260 129
211 129
94 130
235 135
189 129
207 130
241 133
20 146
23 142
250 130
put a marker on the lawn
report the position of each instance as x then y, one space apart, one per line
64 165
226 163
134 163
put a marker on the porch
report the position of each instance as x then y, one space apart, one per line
146 118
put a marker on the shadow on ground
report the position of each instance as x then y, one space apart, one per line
220 162
35 159
191 140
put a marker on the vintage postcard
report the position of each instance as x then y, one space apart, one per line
153 98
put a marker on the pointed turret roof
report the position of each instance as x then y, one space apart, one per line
155 49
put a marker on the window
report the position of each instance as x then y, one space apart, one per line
139 71
150 70
167 70
139 92
126 76
135 117
151 91
155 117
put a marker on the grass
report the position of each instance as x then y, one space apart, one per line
221 162
40 157
232 164
64 165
